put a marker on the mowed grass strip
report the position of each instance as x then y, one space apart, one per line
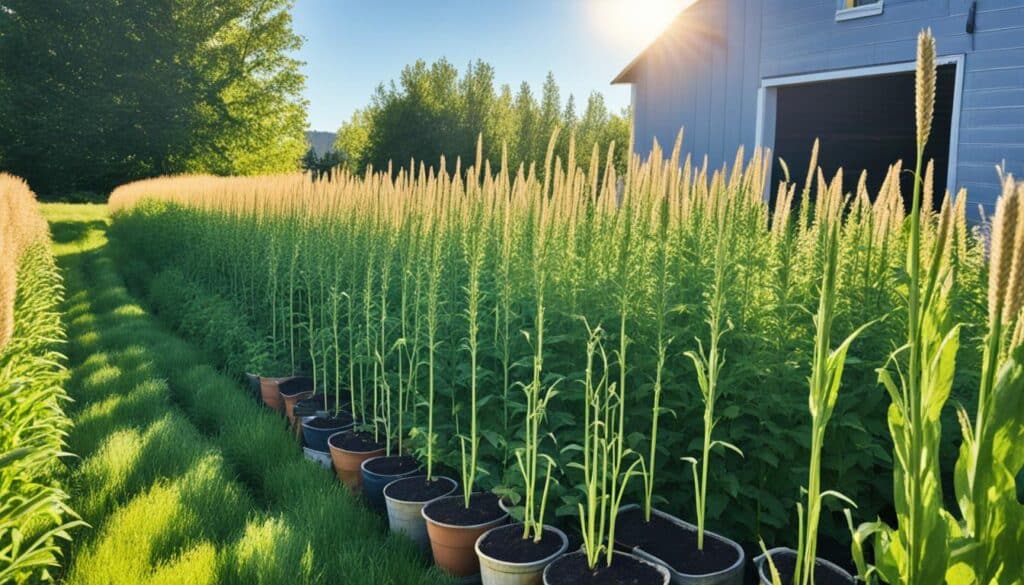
185 479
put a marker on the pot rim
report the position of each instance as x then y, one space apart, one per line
332 430
640 552
759 562
496 522
348 451
362 467
666 576
454 483
298 395
544 561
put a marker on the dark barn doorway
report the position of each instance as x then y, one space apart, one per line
864 123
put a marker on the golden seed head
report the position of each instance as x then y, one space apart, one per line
1015 288
925 86
1001 260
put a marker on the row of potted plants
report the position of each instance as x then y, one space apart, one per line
468 533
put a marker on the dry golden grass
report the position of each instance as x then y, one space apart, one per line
21 225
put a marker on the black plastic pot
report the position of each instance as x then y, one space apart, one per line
572 569
314 406
825 573
672 543
316 430
378 472
253 382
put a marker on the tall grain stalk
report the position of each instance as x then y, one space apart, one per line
604 482
709 365
433 302
473 255
992 451
917 552
826 373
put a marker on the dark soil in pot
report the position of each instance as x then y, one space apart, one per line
673 544
295 385
418 489
394 465
625 570
315 404
482 508
341 420
785 562
316 431
357 442
508 545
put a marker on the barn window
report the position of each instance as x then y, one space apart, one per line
849 9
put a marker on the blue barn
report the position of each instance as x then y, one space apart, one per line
779 73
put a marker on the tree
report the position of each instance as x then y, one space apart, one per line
431 111
99 92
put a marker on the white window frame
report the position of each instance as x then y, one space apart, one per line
767 99
873 9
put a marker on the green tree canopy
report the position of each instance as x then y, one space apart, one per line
94 93
431 110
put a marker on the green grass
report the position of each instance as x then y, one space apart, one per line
183 477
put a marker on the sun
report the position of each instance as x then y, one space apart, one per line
634 23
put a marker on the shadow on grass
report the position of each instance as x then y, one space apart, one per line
66 232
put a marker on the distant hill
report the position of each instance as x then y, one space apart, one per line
320 141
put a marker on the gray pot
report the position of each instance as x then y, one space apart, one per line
497 572
765 575
730 576
321 457
407 517
661 569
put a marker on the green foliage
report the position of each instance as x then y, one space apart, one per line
99 92
929 544
603 259
34 515
431 111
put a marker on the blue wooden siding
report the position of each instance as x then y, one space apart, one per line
705 72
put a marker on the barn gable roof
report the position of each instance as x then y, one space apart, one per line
626 75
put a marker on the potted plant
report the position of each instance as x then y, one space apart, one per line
691 553
293 390
802 567
404 498
454 523
605 477
517 554
379 471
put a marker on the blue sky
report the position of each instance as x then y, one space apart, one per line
353 45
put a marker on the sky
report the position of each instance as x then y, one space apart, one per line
351 46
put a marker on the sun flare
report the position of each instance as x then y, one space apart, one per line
634 23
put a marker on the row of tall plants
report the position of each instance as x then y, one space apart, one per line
34 515
452 307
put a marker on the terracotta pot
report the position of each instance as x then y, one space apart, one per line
347 464
454 546
270 391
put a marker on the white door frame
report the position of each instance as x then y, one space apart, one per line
767 96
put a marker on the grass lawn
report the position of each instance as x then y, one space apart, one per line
183 477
